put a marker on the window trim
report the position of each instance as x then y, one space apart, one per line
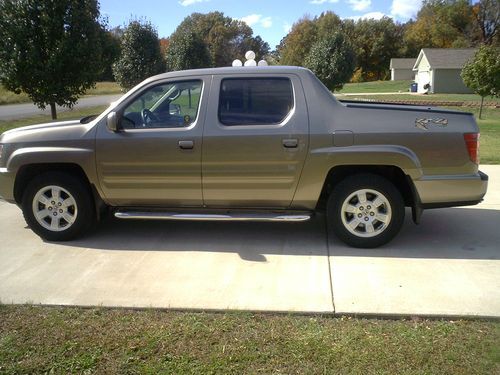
134 97
266 125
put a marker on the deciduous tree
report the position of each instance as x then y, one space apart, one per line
332 59
50 49
140 56
482 73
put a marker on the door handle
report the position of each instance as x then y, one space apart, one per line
186 145
290 142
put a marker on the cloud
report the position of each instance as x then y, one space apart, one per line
287 27
319 2
360 5
257 19
368 16
186 3
405 9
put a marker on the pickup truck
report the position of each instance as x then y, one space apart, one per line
249 144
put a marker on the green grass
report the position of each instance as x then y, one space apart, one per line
75 340
102 88
61 116
376 86
419 97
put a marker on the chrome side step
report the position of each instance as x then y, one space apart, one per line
227 216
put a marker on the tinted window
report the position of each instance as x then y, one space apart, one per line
170 105
255 101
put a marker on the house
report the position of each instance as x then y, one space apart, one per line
402 69
437 70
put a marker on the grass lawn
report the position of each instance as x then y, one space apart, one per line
418 97
102 88
376 86
74 340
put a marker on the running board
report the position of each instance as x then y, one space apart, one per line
227 216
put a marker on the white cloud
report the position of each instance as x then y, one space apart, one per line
360 5
266 22
405 9
318 2
186 3
368 16
257 19
287 27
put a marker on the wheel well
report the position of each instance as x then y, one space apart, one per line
28 172
392 173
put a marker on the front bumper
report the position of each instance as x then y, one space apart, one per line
7 185
455 190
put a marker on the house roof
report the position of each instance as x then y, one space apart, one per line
445 58
402 63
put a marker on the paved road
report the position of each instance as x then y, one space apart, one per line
17 111
447 266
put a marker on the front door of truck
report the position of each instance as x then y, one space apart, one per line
255 141
155 158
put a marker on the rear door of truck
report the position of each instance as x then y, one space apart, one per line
255 140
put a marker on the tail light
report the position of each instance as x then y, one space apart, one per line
472 143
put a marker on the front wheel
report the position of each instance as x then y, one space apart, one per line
58 206
365 211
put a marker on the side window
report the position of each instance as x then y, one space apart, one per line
169 105
255 101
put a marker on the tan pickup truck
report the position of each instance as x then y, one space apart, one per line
261 144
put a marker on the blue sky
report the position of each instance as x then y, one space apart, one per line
271 19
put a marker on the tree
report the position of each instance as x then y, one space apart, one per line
332 59
225 38
442 24
50 49
375 43
140 56
482 73
296 45
187 51
487 14
111 48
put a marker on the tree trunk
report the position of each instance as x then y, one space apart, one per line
481 107
53 111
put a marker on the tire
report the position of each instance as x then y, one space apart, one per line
365 211
58 206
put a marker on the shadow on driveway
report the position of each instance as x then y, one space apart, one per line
454 233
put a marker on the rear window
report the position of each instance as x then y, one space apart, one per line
255 101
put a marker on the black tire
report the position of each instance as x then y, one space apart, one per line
84 219
372 183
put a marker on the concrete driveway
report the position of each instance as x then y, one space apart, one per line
447 266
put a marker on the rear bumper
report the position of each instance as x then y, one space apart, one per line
7 185
450 191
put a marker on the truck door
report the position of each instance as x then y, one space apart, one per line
255 141
155 157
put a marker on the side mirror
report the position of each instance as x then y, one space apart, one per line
112 122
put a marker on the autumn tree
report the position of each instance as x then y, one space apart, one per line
442 24
487 15
375 43
224 37
140 56
482 73
50 49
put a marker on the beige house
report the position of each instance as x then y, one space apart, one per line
402 69
437 70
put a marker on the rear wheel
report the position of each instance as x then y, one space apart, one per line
365 211
58 206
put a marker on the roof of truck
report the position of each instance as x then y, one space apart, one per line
276 69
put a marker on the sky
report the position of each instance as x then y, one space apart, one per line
271 19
